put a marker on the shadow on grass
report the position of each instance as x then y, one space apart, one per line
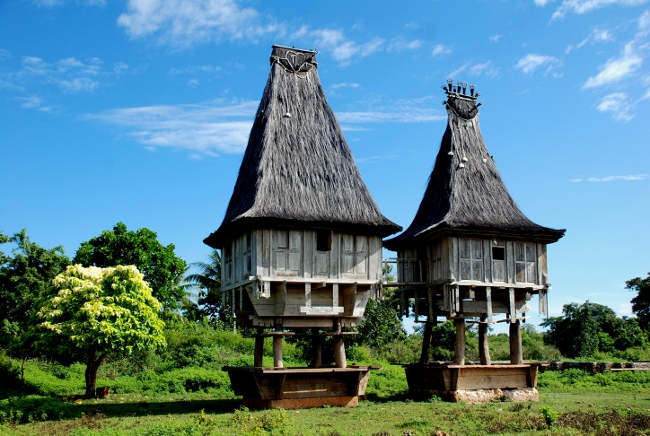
26 408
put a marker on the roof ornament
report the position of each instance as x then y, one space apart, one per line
298 62
460 90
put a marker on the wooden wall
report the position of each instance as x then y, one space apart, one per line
292 253
475 261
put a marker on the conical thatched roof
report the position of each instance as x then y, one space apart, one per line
297 169
465 193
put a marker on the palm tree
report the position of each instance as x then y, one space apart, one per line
208 281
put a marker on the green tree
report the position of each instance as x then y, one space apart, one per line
141 248
641 303
587 328
208 281
381 324
25 276
96 313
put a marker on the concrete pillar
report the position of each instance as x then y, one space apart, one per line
459 355
516 348
483 344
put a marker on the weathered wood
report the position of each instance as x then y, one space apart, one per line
259 350
516 350
512 311
488 302
459 354
483 344
318 352
426 341
339 352
481 306
543 302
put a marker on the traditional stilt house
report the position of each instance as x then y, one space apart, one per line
470 253
302 237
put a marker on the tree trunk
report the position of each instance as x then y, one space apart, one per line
92 365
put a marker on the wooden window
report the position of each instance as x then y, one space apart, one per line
287 248
323 240
525 261
471 259
354 254
498 261
227 263
247 257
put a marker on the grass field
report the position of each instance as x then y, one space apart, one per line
571 402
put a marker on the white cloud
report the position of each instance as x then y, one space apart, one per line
182 23
342 49
210 128
542 2
584 6
480 69
484 69
627 178
618 105
52 3
203 129
70 74
495 38
345 85
400 111
440 49
34 102
616 69
531 62
399 45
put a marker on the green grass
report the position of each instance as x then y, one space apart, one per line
196 414
571 402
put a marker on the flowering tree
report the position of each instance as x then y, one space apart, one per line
97 312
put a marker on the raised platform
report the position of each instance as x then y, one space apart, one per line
473 383
299 388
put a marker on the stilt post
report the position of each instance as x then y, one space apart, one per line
340 360
459 355
426 341
483 344
516 351
259 350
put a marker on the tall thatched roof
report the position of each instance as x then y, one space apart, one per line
297 169
465 193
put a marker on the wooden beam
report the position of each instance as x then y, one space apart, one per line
511 303
308 294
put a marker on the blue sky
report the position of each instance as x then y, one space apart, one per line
139 111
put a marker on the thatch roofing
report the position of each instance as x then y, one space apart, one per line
465 193
297 169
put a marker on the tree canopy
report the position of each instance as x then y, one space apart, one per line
641 303
141 248
587 328
95 313
25 276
